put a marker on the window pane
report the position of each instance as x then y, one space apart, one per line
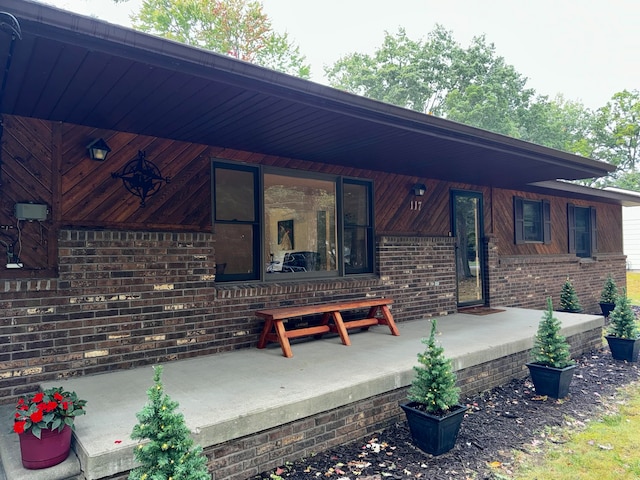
356 204
234 249
356 250
234 195
532 212
583 232
299 224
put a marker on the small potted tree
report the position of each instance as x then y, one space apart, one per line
622 334
551 367
433 412
569 301
166 449
608 296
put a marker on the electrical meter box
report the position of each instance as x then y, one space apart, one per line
31 211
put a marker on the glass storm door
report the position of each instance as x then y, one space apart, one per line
466 225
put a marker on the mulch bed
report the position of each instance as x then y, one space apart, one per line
500 421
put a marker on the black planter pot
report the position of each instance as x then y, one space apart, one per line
623 348
550 381
431 433
607 308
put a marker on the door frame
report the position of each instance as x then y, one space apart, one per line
478 195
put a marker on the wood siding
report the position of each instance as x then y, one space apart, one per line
85 194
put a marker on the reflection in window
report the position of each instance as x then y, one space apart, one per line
299 224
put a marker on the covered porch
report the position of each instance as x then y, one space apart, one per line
254 409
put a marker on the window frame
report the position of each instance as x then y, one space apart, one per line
259 233
519 221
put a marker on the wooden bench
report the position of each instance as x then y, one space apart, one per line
274 326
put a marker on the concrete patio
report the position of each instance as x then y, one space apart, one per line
240 393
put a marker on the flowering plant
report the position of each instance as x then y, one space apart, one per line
47 410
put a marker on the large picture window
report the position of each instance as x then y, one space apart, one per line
277 224
532 220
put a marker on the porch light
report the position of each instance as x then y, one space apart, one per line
419 189
98 150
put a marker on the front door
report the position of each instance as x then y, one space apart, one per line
466 226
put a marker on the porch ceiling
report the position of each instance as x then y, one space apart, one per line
79 70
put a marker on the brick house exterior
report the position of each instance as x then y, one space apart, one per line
107 285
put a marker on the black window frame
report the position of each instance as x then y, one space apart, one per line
544 207
572 230
259 232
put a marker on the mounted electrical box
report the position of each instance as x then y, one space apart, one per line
31 211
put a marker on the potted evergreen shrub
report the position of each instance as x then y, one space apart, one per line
433 412
166 450
623 333
551 367
569 301
608 296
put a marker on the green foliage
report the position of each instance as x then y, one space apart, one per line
238 28
623 322
169 451
549 347
569 301
434 385
609 291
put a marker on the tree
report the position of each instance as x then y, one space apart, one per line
170 451
439 77
434 385
550 348
569 301
558 123
238 28
616 138
409 73
491 94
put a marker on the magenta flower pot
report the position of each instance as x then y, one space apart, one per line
50 449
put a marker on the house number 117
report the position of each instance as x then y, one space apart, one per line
416 205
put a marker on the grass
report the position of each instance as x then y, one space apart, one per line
606 449
633 287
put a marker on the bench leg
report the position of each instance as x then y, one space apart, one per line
268 325
342 330
282 338
387 318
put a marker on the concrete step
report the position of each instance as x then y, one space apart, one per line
11 463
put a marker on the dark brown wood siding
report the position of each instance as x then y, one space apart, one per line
608 225
84 193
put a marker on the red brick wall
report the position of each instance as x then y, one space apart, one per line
125 299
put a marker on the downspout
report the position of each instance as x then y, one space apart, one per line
8 23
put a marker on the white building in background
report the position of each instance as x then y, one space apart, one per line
631 236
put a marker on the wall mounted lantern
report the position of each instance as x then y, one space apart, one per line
419 189
141 178
98 150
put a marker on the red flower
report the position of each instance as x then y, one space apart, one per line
37 398
57 396
36 416
51 406
65 405
18 427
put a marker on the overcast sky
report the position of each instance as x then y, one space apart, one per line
585 49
